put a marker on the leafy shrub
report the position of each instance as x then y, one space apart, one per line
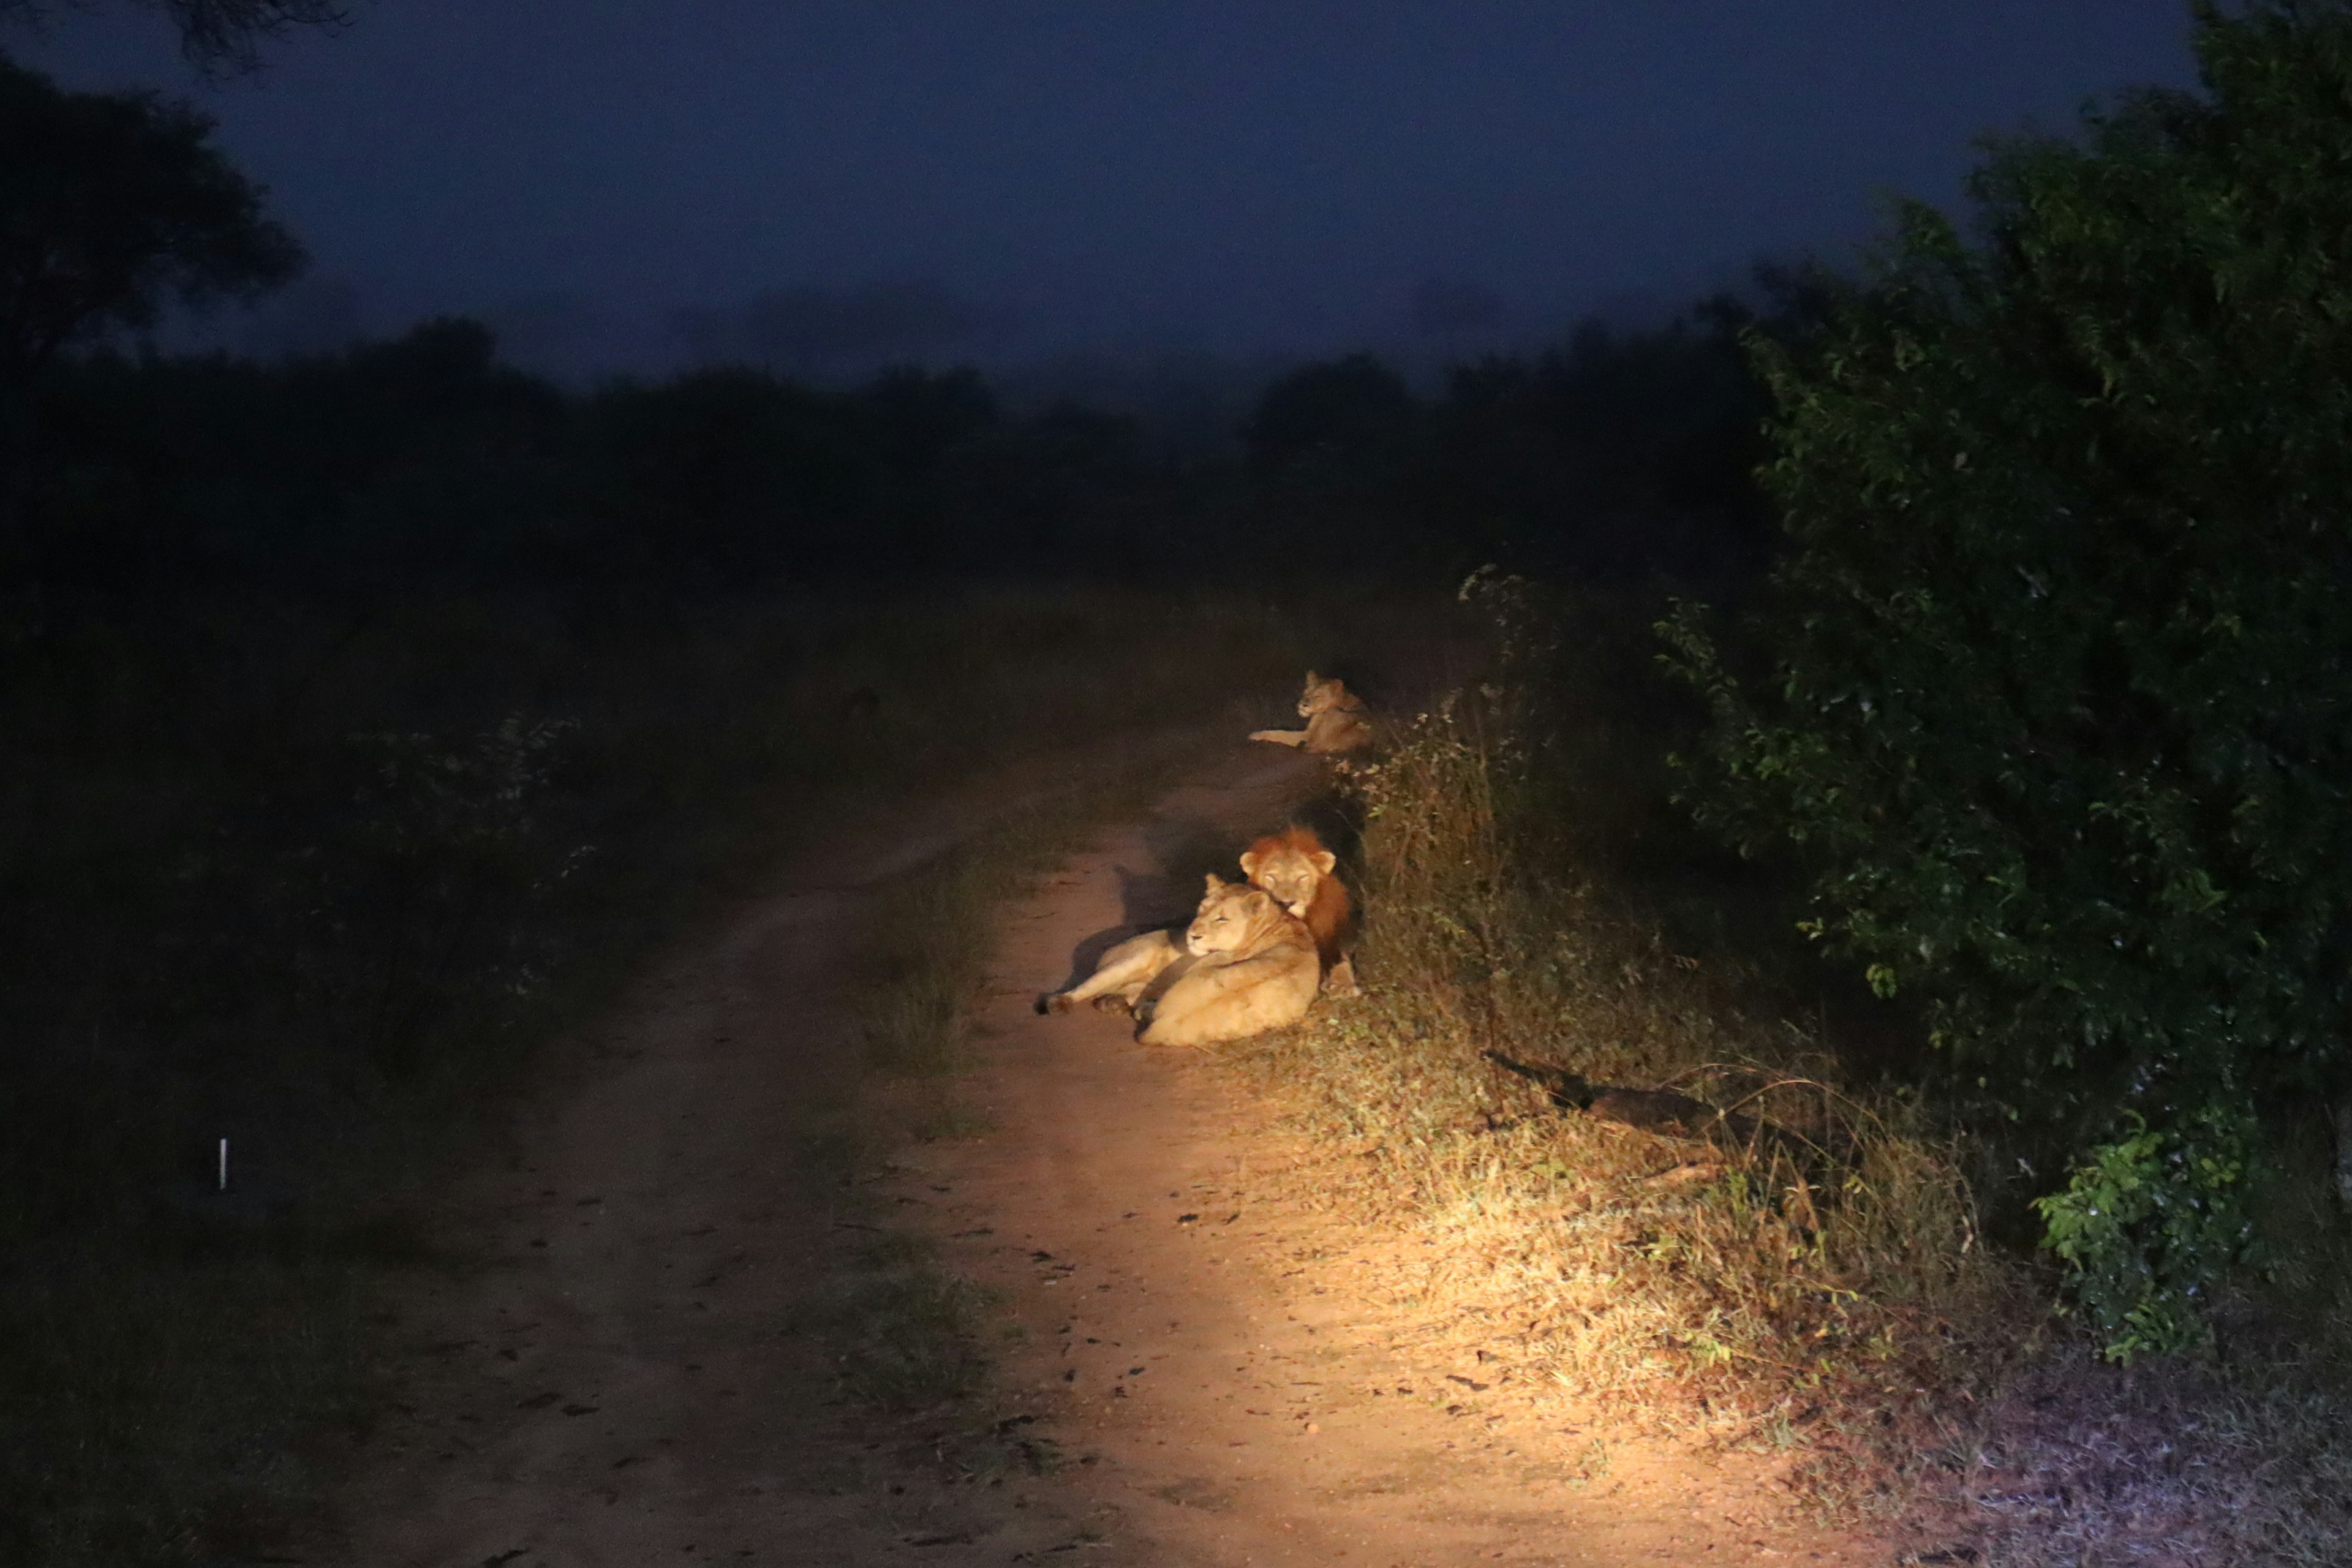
2149 1218
2054 681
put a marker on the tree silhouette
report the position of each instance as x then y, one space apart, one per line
1340 414
216 35
109 205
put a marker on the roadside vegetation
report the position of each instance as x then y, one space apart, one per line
1680 1172
1986 1144
1861 973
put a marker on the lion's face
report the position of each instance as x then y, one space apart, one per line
1233 918
1322 694
1291 872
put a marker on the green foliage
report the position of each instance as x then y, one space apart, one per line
2149 1220
2054 683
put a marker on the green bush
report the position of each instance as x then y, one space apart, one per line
2147 1220
2053 681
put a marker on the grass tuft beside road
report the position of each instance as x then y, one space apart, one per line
1775 1244
1743 1265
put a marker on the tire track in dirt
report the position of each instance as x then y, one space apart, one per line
608 1374
607 1368
1190 1332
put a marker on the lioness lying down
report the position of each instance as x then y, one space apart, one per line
1247 964
1334 715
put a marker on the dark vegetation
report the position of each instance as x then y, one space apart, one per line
2036 720
425 460
360 714
2033 725
363 718
2052 683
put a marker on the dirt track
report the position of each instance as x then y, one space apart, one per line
614 1378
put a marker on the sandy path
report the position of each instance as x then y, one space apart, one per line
607 1371
1217 1354
610 1376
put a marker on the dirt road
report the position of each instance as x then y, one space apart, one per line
616 1375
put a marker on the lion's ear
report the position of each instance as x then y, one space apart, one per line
1215 881
1325 861
1312 678
1251 861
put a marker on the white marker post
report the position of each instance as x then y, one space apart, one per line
223 1165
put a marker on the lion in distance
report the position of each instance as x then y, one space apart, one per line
1334 720
1296 869
1247 964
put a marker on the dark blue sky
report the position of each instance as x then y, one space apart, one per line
616 185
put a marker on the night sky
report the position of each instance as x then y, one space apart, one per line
826 186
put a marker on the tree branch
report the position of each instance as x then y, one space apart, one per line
218 37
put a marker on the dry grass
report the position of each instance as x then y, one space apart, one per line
2170 1462
905 1333
1805 1271
1808 1241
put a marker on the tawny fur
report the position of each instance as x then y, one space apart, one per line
1334 720
1296 869
1253 968
1121 975
1244 965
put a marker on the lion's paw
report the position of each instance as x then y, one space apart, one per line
1341 981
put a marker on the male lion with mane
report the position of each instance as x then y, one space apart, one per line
1247 964
1334 720
1296 869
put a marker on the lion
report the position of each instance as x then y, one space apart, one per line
1296 869
1253 968
1247 964
1334 720
1121 975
